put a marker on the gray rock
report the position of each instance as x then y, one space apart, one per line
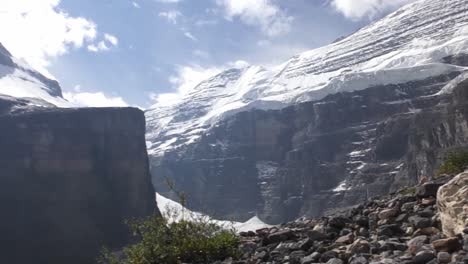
279 236
416 244
68 180
314 257
335 261
428 189
444 257
420 222
424 257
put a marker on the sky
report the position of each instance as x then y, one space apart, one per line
137 52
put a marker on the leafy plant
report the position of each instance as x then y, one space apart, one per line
408 191
177 237
455 162
177 242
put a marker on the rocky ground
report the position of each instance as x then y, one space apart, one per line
416 225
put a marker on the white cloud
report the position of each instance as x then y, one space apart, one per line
171 16
98 99
359 9
185 79
190 36
104 45
37 31
111 38
262 13
188 77
204 22
135 4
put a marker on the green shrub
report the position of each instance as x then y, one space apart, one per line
408 191
199 241
454 163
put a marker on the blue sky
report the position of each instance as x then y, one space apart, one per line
128 52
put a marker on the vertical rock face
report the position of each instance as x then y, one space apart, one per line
452 201
311 158
68 180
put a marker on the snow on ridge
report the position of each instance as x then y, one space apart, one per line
407 45
176 212
19 80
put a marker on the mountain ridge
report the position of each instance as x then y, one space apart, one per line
401 47
334 135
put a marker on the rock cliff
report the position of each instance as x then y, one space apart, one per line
316 156
68 180
329 128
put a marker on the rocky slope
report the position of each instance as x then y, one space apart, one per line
400 228
366 115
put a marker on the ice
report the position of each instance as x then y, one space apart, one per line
407 45
176 212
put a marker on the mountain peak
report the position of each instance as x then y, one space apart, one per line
407 45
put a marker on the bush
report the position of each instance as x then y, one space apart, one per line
454 163
408 191
160 241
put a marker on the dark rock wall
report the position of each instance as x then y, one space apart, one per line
311 158
68 180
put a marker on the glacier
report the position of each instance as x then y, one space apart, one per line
407 45
174 211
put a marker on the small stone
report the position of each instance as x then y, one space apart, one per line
408 206
428 231
338 222
280 236
447 245
326 256
335 261
428 190
428 201
415 245
348 239
261 255
444 257
314 257
316 235
388 213
362 220
401 218
360 246
358 260
420 222
424 257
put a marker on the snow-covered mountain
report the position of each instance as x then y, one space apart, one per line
19 80
407 45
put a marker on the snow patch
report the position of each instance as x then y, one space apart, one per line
176 212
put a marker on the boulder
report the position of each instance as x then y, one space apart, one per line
428 189
279 236
444 257
388 213
424 257
415 245
452 202
447 245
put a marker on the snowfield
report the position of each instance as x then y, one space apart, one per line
176 212
407 45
